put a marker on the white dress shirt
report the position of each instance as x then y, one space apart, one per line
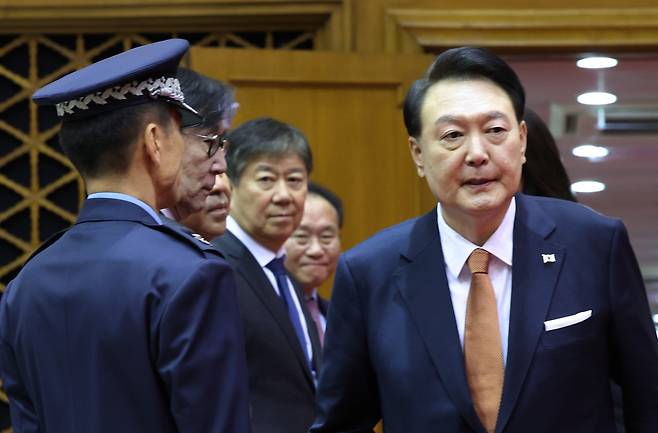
457 249
263 256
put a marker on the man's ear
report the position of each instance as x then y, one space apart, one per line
523 137
417 155
152 138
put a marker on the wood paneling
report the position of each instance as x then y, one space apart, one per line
373 19
331 18
349 106
555 29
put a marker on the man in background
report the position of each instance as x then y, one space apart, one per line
313 249
210 221
268 165
496 311
204 194
121 323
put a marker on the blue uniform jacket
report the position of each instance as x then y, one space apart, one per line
122 325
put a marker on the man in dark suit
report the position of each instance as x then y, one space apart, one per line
313 249
496 311
120 323
268 166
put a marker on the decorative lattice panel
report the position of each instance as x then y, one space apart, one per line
40 192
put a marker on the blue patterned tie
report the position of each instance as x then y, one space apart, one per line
276 266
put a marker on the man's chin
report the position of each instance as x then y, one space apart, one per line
486 205
186 208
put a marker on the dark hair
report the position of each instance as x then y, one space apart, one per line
211 98
543 173
103 144
264 136
319 190
465 63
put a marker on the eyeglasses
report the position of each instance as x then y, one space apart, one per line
215 142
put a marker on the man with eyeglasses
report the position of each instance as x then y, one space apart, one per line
313 249
204 160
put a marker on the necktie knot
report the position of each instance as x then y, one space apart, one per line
276 266
478 261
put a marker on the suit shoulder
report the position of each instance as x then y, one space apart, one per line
231 247
388 241
129 240
569 212
573 223
189 240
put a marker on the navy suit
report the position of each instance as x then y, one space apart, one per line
123 325
392 348
281 387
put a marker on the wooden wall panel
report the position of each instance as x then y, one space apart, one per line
349 106
372 17
526 29
330 18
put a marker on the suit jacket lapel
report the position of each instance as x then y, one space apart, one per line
423 285
248 267
533 283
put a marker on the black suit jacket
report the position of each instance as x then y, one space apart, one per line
281 386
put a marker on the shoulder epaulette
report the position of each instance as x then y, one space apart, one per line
183 233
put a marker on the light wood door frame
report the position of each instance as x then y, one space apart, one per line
534 29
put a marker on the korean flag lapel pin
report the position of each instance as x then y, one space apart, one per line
548 258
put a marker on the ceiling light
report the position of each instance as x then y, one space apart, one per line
590 151
597 98
587 186
596 62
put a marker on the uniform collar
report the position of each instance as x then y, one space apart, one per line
129 198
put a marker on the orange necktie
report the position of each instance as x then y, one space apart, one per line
483 352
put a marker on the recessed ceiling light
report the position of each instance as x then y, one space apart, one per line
599 62
597 98
590 151
587 186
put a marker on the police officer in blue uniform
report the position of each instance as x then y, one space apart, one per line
121 323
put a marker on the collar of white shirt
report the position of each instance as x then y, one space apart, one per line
262 255
457 249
